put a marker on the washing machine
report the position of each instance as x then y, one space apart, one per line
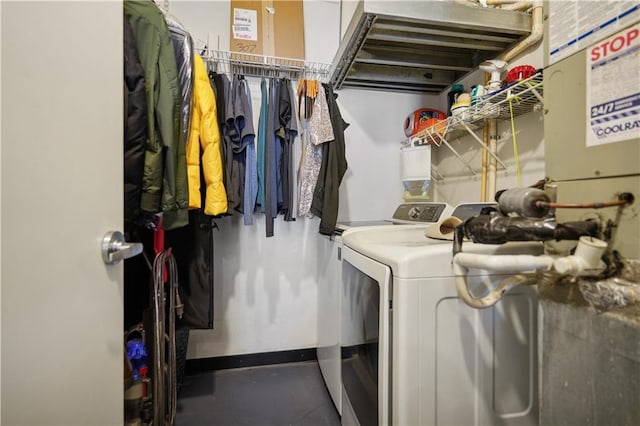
329 285
412 353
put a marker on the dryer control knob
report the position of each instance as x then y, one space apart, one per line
414 213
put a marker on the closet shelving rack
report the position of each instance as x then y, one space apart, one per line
252 65
516 99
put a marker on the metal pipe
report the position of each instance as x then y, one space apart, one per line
614 229
492 172
483 169
500 2
485 152
521 5
535 35
551 205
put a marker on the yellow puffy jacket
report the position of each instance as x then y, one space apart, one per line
205 138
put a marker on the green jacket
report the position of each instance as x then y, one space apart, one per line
164 185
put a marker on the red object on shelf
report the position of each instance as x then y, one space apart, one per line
521 72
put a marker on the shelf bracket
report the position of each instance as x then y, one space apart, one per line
532 87
444 141
430 135
435 175
477 139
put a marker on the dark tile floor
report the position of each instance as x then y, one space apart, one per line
278 395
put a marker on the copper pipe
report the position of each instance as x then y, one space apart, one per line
485 153
492 173
521 5
499 2
550 205
624 198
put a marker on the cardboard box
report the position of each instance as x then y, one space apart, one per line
270 27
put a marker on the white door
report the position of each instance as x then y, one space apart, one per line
62 118
365 339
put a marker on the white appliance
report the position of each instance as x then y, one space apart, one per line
329 286
328 350
413 353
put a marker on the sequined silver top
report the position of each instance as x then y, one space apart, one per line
315 132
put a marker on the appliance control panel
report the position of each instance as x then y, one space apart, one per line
466 210
420 212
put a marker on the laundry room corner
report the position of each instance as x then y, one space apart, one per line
266 290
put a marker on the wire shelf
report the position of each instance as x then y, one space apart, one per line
524 96
252 65
516 99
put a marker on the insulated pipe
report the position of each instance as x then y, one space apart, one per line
503 264
499 2
519 264
495 295
535 36
521 5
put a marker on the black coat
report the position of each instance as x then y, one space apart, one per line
135 126
334 165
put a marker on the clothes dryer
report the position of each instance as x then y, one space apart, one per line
329 285
413 353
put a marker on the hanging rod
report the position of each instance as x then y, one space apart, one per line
252 65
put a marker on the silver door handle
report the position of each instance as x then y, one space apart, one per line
115 248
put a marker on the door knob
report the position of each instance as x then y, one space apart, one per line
115 248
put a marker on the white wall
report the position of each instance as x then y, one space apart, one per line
206 21
372 187
266 289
